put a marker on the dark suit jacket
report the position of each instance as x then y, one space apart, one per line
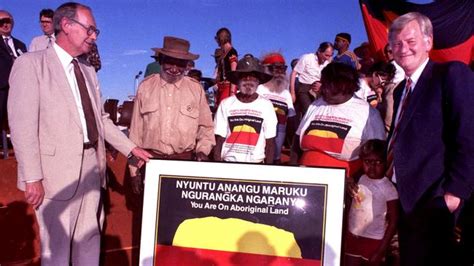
434 149
6 60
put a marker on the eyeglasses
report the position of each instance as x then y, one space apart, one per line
46 21
90 30
373 162
4 21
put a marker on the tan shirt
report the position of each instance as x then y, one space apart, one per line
172 118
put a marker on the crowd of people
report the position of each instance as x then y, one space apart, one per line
401 127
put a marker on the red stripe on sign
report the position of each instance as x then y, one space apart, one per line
172 256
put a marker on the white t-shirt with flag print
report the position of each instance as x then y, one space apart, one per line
282 103
339 130
245 127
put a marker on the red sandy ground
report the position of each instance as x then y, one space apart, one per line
19 240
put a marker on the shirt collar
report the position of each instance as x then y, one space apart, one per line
64 57
177 84
416 75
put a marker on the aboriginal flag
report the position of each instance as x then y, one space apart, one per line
244 129
453 25
325 136
281 110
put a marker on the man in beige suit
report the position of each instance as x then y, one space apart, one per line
58 129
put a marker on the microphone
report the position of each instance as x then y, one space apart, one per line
138 75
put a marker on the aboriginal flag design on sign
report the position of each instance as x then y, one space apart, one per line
244 129
326 136
281 110
190 234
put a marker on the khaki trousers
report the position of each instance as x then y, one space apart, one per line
70 230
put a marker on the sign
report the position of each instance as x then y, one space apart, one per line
203 213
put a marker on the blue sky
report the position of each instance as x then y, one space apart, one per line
130 28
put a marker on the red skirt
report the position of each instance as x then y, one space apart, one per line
319 158
361 247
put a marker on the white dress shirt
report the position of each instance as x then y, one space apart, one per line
12 46
66 60
41 42
414 79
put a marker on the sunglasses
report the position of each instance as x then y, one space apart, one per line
277 68
4 21
90 30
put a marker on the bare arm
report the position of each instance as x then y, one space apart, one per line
269 150
292 85
392 221
233 87
218 148
296 151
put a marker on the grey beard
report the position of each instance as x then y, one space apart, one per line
277 84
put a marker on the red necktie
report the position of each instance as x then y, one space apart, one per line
395 130
92 132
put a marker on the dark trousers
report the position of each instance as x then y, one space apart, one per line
427 236
3 107
303 99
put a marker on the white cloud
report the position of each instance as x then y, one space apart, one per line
134 52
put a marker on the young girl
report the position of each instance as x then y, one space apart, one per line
373 214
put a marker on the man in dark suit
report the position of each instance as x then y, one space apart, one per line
10 49
431 143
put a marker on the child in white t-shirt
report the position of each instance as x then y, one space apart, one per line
373 215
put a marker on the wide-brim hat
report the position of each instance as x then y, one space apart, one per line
246 65
176 48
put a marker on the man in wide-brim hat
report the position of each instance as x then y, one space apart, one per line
245 124
171 117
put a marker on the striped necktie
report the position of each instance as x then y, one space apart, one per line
402 107
50 41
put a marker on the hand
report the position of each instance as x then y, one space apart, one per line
452 202
34 193
142 154
200 156
351 187
316 86
137 184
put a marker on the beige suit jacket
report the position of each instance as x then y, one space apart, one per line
46 132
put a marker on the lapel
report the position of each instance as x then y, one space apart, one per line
18 46
421 87
3 46
59 77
